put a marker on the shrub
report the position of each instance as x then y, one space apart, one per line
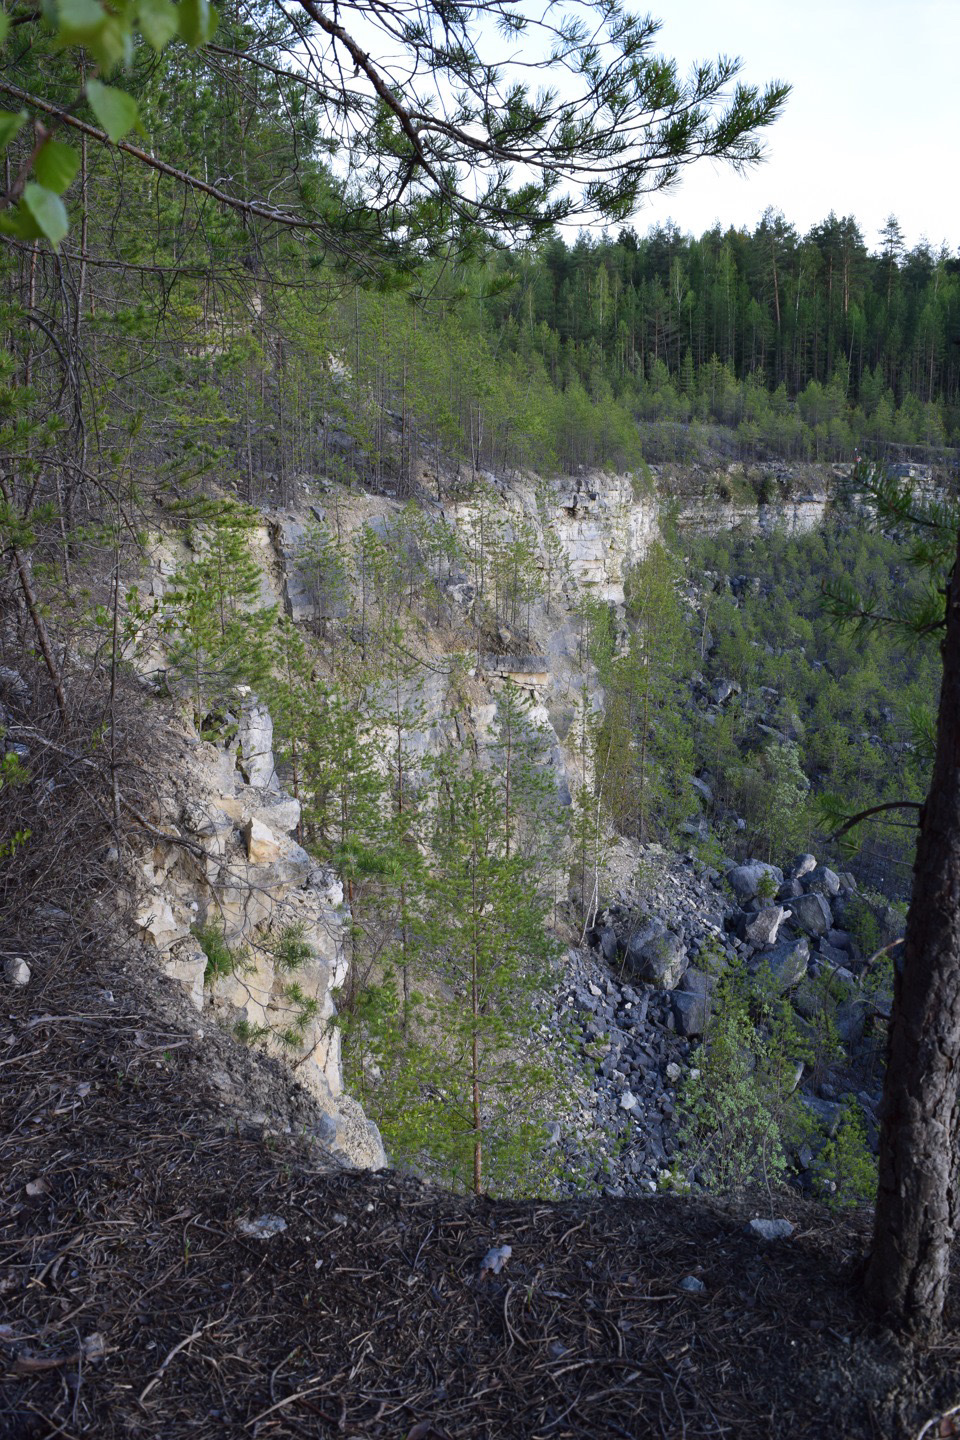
740 1114
846 1169
767 888
729 1130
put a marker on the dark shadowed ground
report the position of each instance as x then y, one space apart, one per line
132 1305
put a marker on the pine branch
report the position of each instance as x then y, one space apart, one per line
861 815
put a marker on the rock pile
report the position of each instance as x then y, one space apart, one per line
639 1000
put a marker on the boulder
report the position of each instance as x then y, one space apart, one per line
762 927
823 881
812 914
830 955
800 866
745 880
691 1012
724 690
697 982
851 1021
787 964
771 1229
655 955
607 943
703 790
827 1113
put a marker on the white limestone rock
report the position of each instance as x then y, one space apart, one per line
263 847
186 963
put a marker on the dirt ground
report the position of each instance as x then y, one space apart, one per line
133 1149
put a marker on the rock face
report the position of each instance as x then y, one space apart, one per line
233 862
263 847
231 871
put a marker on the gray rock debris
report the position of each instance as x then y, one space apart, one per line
800 866
692 1285
263 1228
762 928
16 971
787 964
771 1229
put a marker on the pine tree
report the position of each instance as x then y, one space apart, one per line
218 627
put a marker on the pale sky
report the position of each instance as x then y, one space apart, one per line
871 127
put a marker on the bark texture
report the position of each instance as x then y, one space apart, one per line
918 1205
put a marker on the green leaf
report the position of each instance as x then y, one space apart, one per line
47 211
79 21
10 123
158 21
198 20
56 166
114 44
4 25
108 37
115 109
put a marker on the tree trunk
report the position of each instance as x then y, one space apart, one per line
918 1204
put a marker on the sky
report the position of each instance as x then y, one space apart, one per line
872 127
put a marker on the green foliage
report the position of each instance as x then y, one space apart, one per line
846 1170
12 772
320 562
215 625
846 708
221 959
107 36
289 948
767 886
248 1033
741 1115
645 739
305 1009
590 833
461 1089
